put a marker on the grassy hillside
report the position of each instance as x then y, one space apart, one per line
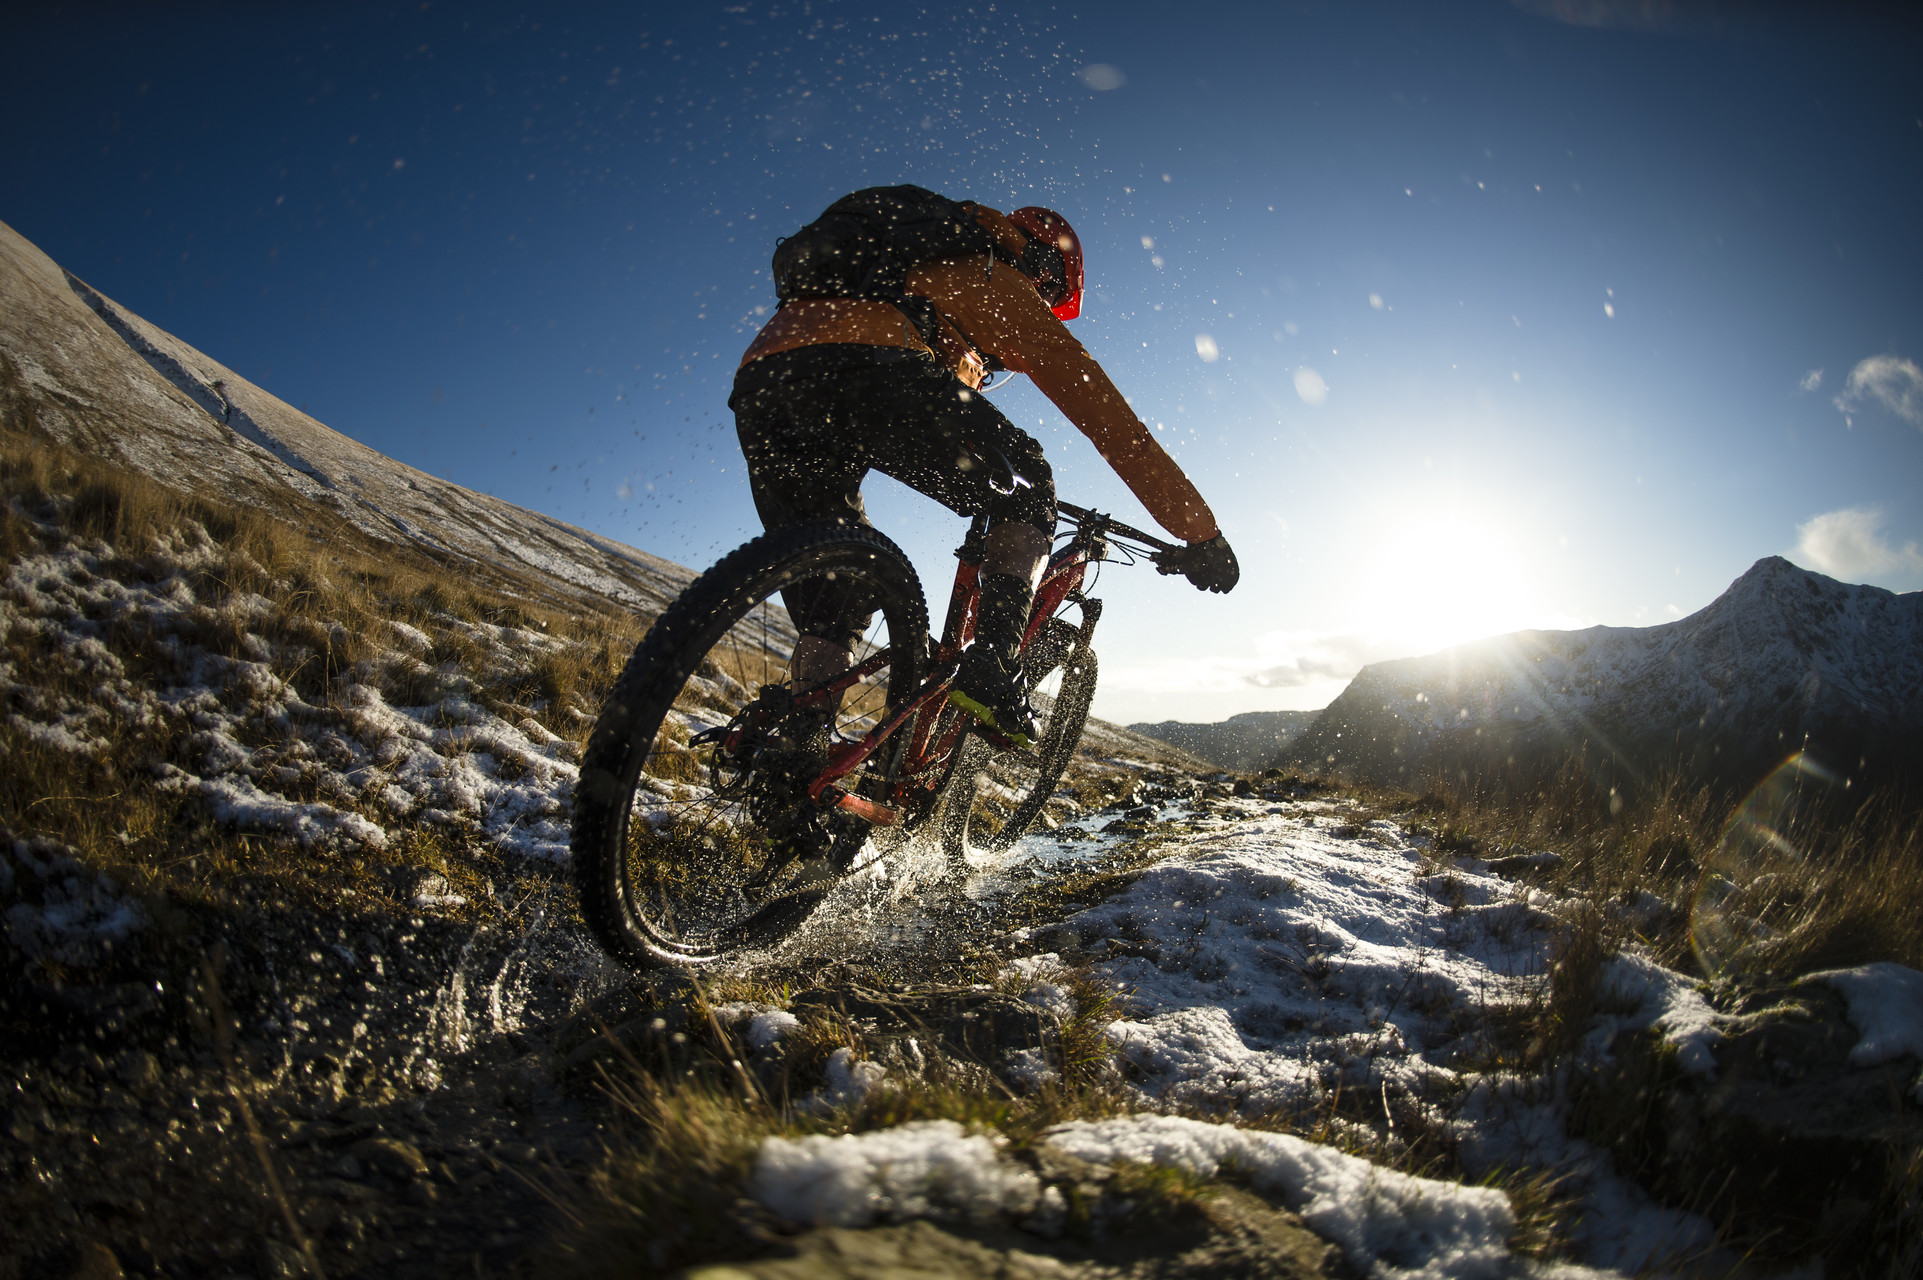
291 968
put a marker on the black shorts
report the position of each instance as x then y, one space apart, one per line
815 421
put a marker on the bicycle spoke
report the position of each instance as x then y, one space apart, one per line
714 843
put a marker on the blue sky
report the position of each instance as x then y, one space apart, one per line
1465 317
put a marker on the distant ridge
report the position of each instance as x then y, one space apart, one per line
1783 656
1245 743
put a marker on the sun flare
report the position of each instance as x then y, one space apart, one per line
1438 579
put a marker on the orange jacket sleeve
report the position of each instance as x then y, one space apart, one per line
998 310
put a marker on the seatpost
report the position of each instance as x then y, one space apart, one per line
959 627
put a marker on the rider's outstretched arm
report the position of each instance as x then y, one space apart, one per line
1002 314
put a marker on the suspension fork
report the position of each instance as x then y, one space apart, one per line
1091 614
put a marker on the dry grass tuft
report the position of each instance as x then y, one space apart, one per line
1661 865
665 1196
1846 891
313 605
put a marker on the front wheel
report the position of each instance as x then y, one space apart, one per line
994 797
694 838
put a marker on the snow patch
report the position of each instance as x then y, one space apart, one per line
1886 1006
1286 951
65 914
235 800
1507 1122
766 1024
767 1028
1388 1224
928 1169
257 753
1279 954
1037 972
1664 999
849 1081
1030 1069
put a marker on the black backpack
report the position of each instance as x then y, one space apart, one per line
867 242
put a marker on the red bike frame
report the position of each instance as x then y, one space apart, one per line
930 745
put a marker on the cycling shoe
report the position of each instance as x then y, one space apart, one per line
991 691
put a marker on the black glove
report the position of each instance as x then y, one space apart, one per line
1209 565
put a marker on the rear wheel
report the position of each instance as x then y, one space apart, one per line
694 837
993 797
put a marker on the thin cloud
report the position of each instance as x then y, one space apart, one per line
1850 544
1891 381
1701 17
1312 658
1812 380
1302 671
1281 660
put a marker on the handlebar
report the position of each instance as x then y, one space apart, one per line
1099 529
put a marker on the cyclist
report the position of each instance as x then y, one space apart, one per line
833 387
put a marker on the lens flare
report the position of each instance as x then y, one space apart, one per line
1751 882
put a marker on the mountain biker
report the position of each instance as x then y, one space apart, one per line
835 386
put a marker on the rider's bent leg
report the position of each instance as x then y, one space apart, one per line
818 661
1017 549
989 684
813 422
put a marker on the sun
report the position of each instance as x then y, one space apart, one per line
1439 578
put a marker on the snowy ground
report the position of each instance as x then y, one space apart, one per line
1281 954
256 748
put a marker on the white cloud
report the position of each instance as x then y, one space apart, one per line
1849 544
1206 348
1310 386
1893 382
1102 76
1812 380
1281 660
1325 659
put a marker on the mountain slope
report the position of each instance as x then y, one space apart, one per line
84 370
1245 743
1782 656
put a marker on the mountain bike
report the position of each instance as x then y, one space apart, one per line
705 826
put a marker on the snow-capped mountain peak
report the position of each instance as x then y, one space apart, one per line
1782 658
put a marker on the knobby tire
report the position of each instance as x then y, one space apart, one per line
678 676
1053 649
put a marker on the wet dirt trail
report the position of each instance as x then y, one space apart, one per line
419 1069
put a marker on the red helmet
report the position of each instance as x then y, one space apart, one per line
1060 287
